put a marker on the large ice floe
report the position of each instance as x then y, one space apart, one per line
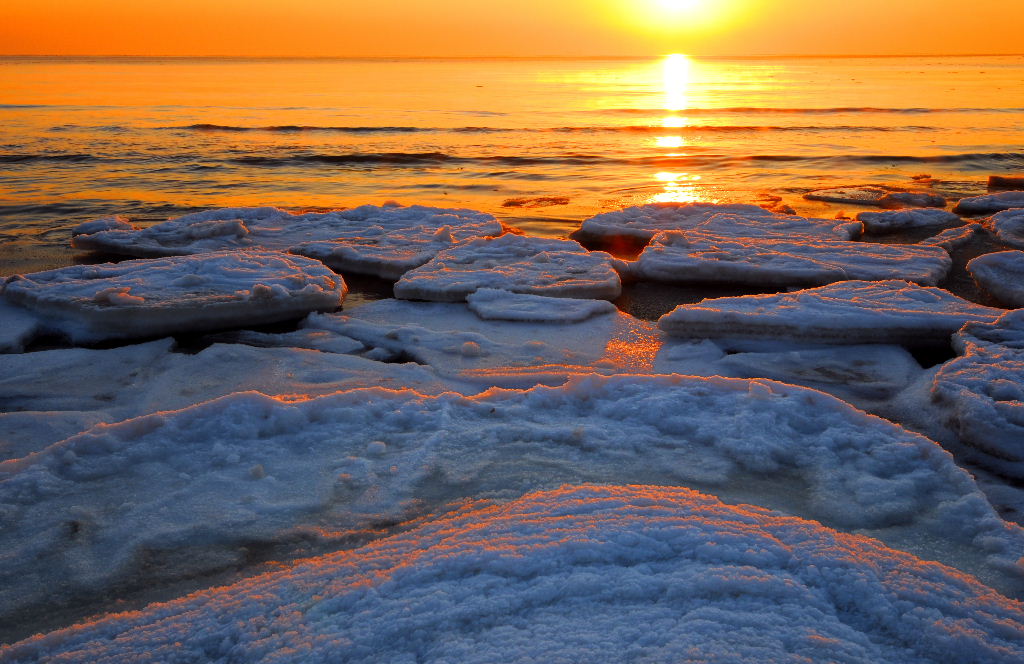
877 196
984 391
952 239
847 312
640 223
1001 274
141 298
516 263
578 573
700 257
898 220
1008 226
379 240
990 203
194 487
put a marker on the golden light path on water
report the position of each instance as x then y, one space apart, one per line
677 187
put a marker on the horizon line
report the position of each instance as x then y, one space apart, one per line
766 56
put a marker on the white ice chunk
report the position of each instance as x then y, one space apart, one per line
578 574
695 256
952 239
384 241
494 304
642 222
1008 226
79 514
877 196
848 312
782 226
897 220
17 327
516 263
990 203
142 298
915 199
1007 331
1002 275
115 223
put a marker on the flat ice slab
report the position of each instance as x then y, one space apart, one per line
515 263
1002 275
695 256
643 222
876 196
1008 226
383 241
494 304
17 327
576 574
990 203
141 298
898 220
952 239
847 312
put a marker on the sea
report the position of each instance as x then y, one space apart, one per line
540 143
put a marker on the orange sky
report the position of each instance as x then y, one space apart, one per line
508 27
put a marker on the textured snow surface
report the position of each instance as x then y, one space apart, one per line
17 327
848 312
494 304
897 220
142 298
1001 274
554 268
696 256
634 573
1007 331
953 238
877 196
912 199
80 515
990 203
1008 226
116 223
384 241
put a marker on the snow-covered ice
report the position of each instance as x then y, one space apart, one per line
384 241
17 327
115 223
516 263
1008 226
578 573
848 312
247 468
700 257
952 239
990 203
1007 332
912 199
898 220
1001 274
877 196
141 298
495 304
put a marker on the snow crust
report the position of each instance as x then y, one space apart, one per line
990 203
1001 274
142 298
574 574
1008 226
495 304
897 220
249 468
17 327
952 239
695 256
516 263
849 312
383 241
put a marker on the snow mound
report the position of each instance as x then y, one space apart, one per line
952 239
494 304
695 256
1001 274
384 241
990 203
848 312
897 220
141 298
575 574
17 327
516 263
1008 226
247 468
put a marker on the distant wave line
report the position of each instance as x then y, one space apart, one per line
808 111
644 129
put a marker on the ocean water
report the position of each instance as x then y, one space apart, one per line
541 143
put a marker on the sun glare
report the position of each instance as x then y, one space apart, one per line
680 5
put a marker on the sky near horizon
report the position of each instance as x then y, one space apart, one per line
467 28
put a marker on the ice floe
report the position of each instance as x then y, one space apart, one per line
952 239
1008 226
898 220
86 513
494 304
140 298
516 263
576 574
17 327
384 241
990 203
700 257
1002 275
116 223
876 196
848 312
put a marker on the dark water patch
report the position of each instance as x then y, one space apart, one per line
535 202
29 158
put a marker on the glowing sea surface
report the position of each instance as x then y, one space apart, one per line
542 144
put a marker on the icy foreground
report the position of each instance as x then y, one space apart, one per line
384 241
144 298
897 220
516 263
85 514
991 203
577 574
700 257
848 312
1002 275
1008 226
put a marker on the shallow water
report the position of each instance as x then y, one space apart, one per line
542 144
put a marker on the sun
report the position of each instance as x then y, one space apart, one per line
680 6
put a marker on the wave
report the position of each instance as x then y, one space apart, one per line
805 111
644 129
25 158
